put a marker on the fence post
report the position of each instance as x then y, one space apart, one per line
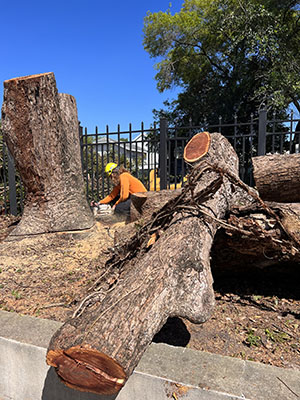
80 133
12 184
262 131
163 129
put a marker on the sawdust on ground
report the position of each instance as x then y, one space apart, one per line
47 275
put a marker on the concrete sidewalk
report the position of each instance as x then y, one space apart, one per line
164 372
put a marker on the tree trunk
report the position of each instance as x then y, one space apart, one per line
145 284
277 177
142 210
256 239
40 127
145 204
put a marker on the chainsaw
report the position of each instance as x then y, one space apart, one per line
102 209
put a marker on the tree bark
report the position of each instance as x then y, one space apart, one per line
256 239
142 210
40 127
145 204
277 177
108 334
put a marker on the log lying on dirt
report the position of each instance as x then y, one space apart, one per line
277 177
40 128
144 283
254 237
164 269
143 205
255 231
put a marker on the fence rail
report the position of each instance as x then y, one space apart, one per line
155 155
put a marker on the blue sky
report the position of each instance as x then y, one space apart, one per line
94 49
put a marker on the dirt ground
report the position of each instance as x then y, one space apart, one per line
257 314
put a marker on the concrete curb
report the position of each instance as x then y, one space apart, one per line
164 372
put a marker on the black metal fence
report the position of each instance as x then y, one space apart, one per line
137 150
155 155
11 188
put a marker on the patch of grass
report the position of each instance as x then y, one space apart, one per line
252 339
16 294
5 308
276 337
295 346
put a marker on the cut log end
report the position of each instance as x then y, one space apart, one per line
23 78
197 147
87 370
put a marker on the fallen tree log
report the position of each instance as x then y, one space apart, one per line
164 269
145 284
277 177
143 205
253 238
40 128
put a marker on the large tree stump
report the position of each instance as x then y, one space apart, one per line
100 346
277 177
40 128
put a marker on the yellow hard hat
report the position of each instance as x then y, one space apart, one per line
110 167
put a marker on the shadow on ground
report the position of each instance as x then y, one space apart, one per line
54 389
174 332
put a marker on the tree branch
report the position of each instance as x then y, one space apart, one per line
295 102
203 52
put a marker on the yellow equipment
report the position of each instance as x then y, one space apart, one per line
110 167
155 182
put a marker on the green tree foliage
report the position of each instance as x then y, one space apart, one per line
229 56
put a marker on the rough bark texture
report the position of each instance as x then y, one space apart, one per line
142 210
40 127
260 240
143 205
277 177
145 285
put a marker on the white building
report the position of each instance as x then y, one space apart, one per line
138 148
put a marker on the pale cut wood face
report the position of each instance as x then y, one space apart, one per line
197 147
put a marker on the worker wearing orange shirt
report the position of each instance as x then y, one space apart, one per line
124 185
